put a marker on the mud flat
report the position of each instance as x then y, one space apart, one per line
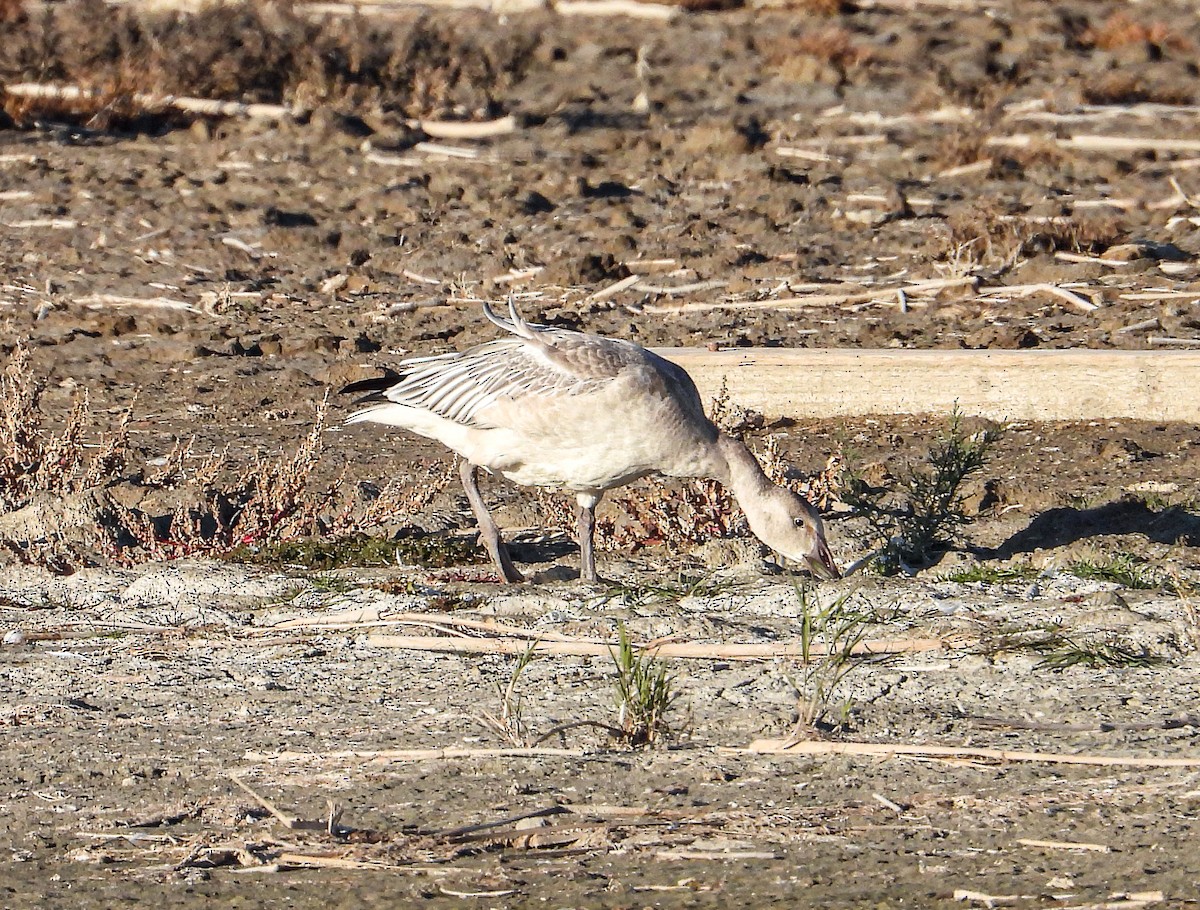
1008 178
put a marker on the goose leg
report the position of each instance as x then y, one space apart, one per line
489 534
587 536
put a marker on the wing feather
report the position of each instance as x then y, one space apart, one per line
553 362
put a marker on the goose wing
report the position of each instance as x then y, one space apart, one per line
533 362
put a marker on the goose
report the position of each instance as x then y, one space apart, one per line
551 407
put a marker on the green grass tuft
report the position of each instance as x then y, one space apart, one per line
1123 569
991 575
1097 653
645 692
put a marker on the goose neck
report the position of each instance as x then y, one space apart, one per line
739 471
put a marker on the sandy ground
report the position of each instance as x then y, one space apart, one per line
309 252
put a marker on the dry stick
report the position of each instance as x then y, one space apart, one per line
448 129
913 288
613 289
629 8
681 289
650 265
694 650
1093 143
433 620
963 894
1166 341
518 274
1064 845
341 862
1025 290
205 106
1123 204
95 301
54 224
1064 256
415 754
500 822
420 279
716 854
881 121
446 151
1151 323
982 166
288 821
504 892
1164 294
785 151
888 750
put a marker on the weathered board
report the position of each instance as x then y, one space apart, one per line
1002 385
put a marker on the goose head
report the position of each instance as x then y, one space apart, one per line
792 528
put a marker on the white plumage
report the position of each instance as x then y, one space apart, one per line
552 407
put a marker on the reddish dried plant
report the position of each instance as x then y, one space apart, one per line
1121 30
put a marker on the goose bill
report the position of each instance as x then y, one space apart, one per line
821 562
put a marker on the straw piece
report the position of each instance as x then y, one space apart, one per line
1025 290
693 650
96 301
613 289
412 754
449 129
652 11
206 106
889 750
1064 845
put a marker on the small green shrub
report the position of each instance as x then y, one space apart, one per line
920 515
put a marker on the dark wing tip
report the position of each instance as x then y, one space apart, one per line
375 384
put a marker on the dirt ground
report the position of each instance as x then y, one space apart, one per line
221 275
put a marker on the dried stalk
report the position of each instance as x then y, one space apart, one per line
815 747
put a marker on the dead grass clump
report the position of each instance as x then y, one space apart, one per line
1073 234
251 52
985 235
1122 30
1130 88
793 55
269 501
34 460
960 146
982 235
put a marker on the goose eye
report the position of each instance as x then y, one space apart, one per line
798 522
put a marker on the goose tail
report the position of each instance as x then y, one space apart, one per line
515 323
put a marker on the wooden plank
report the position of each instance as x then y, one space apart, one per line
1001 385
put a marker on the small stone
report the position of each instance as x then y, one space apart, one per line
14 637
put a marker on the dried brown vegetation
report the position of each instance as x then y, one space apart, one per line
1121 30
832 45
34 461
985 235
1126 88
419 68
964 145
65 502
